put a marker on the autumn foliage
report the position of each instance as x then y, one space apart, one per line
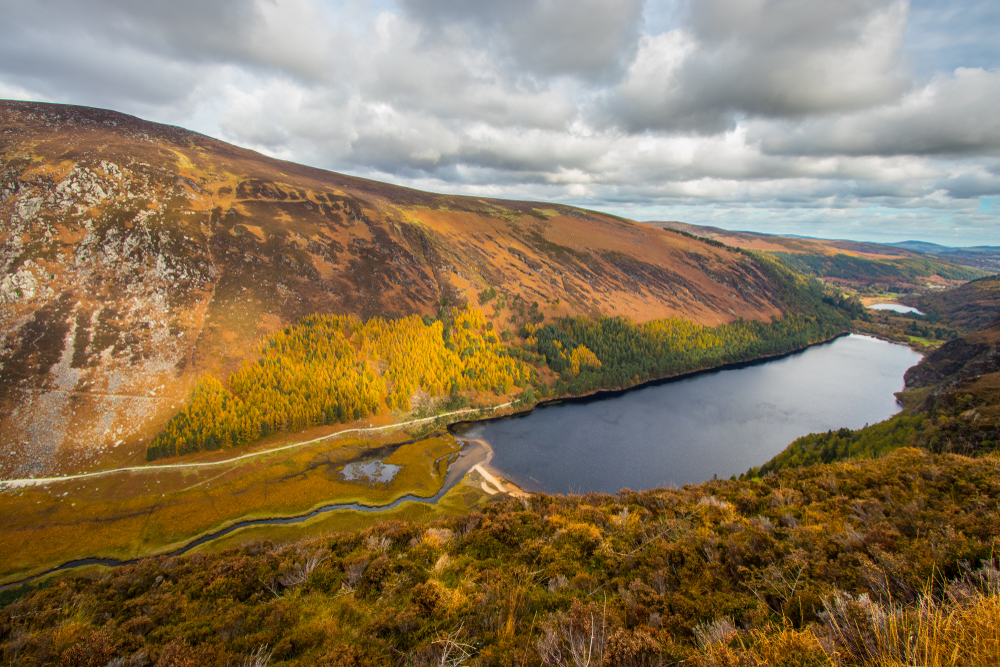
335 369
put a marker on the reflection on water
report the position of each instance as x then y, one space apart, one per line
685 431
372 470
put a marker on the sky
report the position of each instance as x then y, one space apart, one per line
864 119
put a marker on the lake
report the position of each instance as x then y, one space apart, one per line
685 431
895 307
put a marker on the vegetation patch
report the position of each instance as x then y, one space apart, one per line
331 369
887 562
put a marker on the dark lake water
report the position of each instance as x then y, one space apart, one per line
685 431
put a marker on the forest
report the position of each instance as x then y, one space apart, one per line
629 353
614 353
335 369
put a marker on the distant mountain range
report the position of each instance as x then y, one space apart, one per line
906 265
984 257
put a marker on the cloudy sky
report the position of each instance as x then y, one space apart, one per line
865 119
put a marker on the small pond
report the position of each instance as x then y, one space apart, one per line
372 470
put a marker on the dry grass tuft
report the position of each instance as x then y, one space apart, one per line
960 628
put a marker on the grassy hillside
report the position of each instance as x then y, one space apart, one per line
863 267
969 307
875 272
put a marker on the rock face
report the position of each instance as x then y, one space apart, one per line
135 256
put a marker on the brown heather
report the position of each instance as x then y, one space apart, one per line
884 562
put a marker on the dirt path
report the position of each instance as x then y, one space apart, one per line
20 483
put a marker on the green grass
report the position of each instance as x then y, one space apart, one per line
927 342
457 501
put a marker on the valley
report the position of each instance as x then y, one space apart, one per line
148 267
864 268
164 295
229 387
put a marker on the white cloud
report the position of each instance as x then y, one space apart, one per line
758 110
769 58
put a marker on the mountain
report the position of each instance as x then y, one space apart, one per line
922 246
906 266
137 257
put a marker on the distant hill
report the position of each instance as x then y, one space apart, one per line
899 266
136 256
984 257
971 306
922 246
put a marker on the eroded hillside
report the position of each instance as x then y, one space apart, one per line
136 256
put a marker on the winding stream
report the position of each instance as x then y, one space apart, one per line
474 454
